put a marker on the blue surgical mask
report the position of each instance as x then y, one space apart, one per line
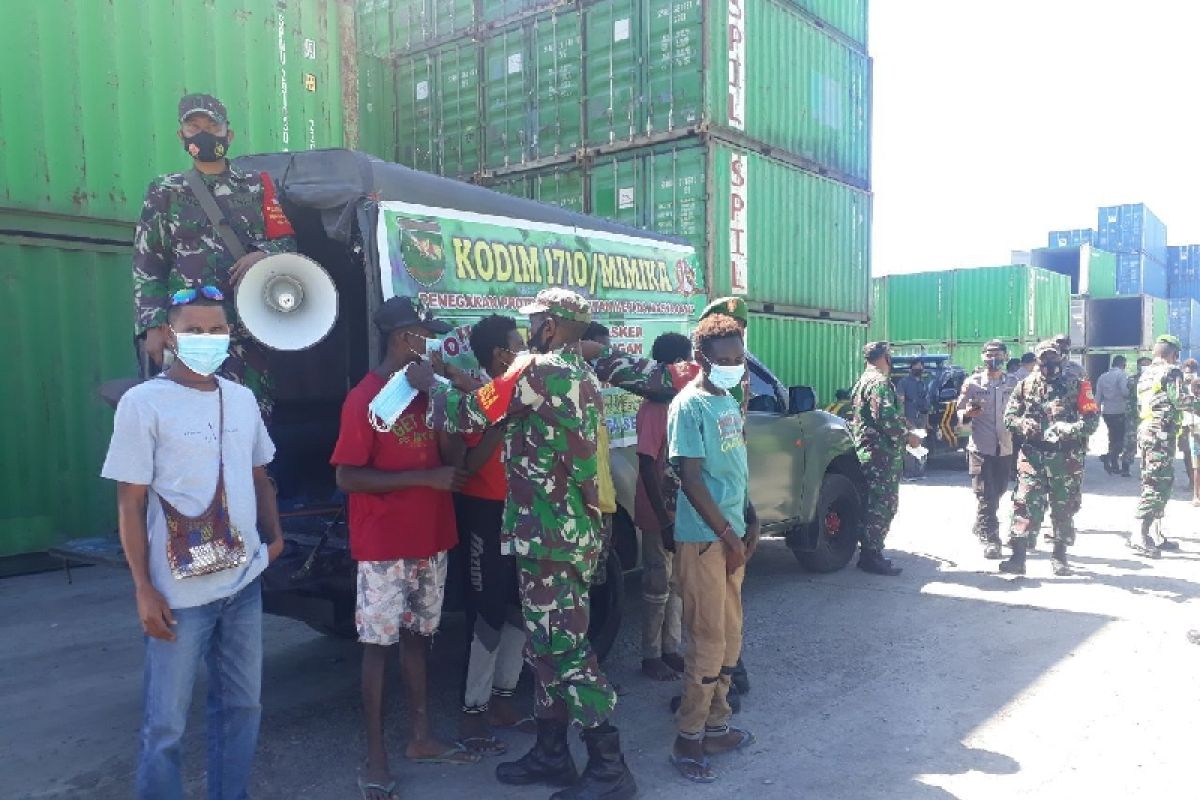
202 353
387 406
726 377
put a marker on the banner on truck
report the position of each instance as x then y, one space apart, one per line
465 266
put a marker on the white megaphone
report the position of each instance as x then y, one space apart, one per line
287 302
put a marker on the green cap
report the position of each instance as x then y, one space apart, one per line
1167 338
729 306
561 303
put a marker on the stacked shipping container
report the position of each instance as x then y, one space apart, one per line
742 126
92 111
956 311
1139 238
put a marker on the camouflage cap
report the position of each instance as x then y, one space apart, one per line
561 303
729 306
1167 338
1046 346
203 104
874 350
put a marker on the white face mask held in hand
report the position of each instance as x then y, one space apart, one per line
387 406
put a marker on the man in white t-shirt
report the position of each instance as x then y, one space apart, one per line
191 504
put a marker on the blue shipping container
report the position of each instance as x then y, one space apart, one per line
1185 321
1137 273
1183 272
1073 238
1131 228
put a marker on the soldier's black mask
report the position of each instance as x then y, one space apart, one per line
205 146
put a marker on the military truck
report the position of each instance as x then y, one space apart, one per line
381 229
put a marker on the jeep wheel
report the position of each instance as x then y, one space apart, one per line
838 526
605 621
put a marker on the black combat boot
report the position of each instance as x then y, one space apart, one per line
1164 544
1143 543
548 762
1015 564
605 777
872 561
1125 470
991 548
1058 561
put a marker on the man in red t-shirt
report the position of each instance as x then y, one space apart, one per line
493 600
401 527
664 611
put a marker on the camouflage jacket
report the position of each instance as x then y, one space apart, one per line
876 419
176 247
554 408
1052 412
1158 395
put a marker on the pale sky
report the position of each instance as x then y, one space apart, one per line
996 122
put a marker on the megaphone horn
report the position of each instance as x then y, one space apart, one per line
287 302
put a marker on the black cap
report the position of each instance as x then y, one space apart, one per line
403 312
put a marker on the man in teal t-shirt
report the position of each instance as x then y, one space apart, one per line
716 531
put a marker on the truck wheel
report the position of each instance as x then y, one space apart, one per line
837 526
605 620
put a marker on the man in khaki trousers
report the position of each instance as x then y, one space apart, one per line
716 531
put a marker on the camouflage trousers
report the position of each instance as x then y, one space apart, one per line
881 469
1158 474
1129 453
1075 461
568 683
1046 479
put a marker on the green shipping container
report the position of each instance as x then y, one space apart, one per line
919 307
803 352
772 233
68 324
847 17
755 67
878 328
437 110
1009 302
89 91
532 86
1090 271
387 27
377 107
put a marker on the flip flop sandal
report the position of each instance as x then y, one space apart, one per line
696 771
388 789
746 738
483 746
455 756
523 725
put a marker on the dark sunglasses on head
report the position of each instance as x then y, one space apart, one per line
185 296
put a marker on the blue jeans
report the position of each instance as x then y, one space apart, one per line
227 634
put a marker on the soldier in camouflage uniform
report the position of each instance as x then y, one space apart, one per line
176 246
552 403
1159 412
879 429
1129 453
1073 370
1053 412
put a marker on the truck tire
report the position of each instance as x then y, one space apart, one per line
605 621
838 526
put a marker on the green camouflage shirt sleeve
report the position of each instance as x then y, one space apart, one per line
637 375
1014 412
151 260
453 411
886 411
